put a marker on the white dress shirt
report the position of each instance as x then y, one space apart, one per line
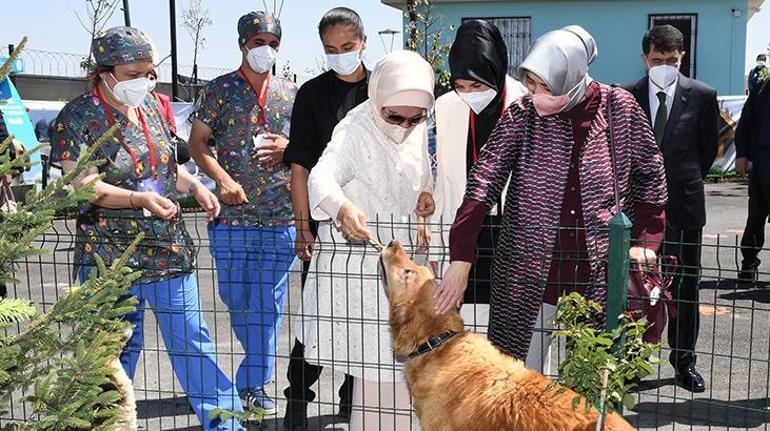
654 103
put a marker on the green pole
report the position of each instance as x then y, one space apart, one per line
617 268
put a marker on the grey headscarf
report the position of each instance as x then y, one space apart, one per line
561 59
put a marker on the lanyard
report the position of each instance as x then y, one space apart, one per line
261 95
473 127
145 132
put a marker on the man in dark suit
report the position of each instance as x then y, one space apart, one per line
683 113
752 143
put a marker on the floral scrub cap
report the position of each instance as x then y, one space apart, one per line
123 45
254 23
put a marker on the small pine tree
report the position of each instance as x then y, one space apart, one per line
601 365
61 360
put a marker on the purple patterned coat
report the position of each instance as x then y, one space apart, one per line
536 153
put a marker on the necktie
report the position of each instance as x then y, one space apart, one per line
661 117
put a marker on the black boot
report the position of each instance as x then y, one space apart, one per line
302 376
749 271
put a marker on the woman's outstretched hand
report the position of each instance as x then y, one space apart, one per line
352 222
450 293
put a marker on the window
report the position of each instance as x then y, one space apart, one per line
688 25
516 34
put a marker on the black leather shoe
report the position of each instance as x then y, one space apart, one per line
749 271
296 415
687 377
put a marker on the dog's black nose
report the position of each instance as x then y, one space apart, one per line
393 243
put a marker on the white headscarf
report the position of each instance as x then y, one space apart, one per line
401 78
561 59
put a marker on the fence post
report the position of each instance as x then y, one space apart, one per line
617 268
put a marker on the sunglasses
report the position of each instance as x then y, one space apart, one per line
394 118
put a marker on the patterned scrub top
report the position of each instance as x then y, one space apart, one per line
229 106
167 249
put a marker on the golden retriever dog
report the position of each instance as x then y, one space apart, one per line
461 381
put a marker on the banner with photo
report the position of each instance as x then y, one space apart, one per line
730 108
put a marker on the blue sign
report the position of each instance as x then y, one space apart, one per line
18 124
16 67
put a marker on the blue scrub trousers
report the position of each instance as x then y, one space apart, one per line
253 266
177 309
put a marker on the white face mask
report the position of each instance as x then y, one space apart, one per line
761 63
344 64
663 76
261 58
130 92
151 84
394 132
478 100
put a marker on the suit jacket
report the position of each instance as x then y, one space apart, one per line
747 132
689 147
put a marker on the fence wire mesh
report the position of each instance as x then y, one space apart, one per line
733 350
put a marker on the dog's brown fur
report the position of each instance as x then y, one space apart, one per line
467 383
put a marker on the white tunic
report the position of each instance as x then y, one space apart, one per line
344 315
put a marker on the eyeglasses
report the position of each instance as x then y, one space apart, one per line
393 118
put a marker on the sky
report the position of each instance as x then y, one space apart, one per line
56 28
51 25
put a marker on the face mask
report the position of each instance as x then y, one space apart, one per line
261 58
394 132
151 84
663 76
761 63
344 64
131 92
478 100
547 104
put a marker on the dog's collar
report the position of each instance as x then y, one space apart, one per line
432 343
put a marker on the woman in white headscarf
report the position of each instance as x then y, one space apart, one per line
367 185
554 145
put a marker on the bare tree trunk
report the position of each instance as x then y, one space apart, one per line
195 60
412 14
94 24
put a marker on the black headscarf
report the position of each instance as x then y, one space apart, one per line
479 54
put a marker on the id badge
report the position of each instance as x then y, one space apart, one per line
260 141
149 184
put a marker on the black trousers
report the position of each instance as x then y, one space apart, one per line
480 276
759 209
683 329
301 374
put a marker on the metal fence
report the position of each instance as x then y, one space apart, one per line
733 348
66 64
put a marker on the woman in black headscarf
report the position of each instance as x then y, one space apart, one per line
465 117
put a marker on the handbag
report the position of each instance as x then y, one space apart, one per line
649 286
